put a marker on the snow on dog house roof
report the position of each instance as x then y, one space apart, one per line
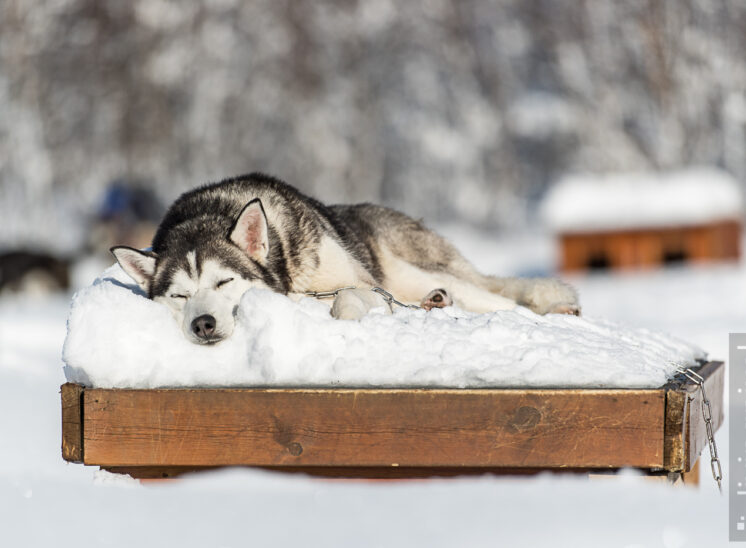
584 203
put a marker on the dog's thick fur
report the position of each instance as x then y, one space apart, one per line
217 241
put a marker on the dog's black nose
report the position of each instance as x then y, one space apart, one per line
204 326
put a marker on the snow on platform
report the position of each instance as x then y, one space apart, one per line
694 196
117 338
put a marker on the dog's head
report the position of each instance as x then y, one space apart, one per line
202 270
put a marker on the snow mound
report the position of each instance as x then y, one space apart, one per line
641 200
117 338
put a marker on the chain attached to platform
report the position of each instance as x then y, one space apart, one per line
326 294
717 470
388 297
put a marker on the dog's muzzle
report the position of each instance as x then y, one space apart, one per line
204 327
208 317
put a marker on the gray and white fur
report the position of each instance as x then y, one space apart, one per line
217 241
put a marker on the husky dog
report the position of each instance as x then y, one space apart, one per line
217 241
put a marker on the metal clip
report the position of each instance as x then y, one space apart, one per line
326 294
389 298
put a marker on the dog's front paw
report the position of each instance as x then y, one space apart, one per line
437 298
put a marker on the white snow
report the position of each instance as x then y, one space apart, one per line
117 338
641 200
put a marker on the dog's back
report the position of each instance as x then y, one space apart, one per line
385 247
297 223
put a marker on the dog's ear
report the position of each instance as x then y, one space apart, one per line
250 231
139 265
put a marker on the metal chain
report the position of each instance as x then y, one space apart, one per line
388 297
325 294
717 470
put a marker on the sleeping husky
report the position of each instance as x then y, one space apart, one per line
220 240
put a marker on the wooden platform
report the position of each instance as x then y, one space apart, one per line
390 433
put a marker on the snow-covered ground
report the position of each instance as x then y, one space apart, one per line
117 338
44 501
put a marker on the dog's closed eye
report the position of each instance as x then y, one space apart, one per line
178 296
221 283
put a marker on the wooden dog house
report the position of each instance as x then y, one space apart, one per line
636 221
391 433
650 247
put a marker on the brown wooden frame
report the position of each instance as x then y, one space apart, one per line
390 432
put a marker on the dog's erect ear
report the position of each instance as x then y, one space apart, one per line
139 265
250 232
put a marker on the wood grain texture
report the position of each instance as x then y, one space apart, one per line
677 405
691 478
72 424
390 433
372 428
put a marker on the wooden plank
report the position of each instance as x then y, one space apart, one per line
370 428
677 405
691 478
72 423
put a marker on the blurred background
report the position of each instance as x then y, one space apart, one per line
455 111
539 136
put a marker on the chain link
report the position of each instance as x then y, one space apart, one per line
717 470
388 297
326 294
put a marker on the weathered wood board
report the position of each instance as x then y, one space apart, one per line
378 430
72 422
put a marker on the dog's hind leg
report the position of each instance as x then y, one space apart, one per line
414 260
541 295
476 292
471 297
409 284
